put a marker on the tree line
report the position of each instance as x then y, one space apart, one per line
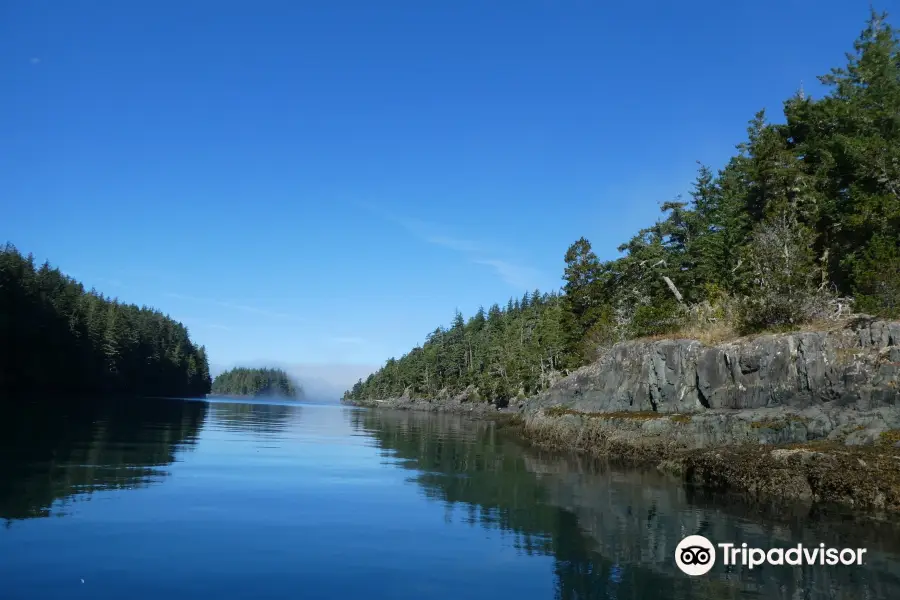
801 224
242 381
59 337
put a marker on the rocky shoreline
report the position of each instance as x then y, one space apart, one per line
810 417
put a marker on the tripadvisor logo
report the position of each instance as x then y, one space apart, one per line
696 555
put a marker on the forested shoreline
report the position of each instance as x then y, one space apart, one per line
802 225
60 338
242 381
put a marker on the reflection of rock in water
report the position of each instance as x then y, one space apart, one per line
56 452
614 532
639 517
253 417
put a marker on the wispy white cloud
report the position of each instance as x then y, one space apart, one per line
455 243
356 341
431 234
513 274
241 307
477 252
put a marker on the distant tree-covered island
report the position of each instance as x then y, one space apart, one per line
59 338
242 381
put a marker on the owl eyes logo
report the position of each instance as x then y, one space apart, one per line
695 555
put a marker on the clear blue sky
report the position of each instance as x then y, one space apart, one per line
324 182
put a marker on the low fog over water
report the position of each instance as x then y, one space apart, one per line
324 382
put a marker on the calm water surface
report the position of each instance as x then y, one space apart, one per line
175 499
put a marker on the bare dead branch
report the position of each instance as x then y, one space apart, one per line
673 288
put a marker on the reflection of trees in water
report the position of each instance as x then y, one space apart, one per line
613 532
468 463
253 417
61 452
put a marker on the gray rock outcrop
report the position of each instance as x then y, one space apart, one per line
855 366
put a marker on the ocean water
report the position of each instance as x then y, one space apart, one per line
178 499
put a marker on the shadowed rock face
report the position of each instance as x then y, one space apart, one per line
856 366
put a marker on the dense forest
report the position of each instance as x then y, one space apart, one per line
255 382
60 338
802 224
